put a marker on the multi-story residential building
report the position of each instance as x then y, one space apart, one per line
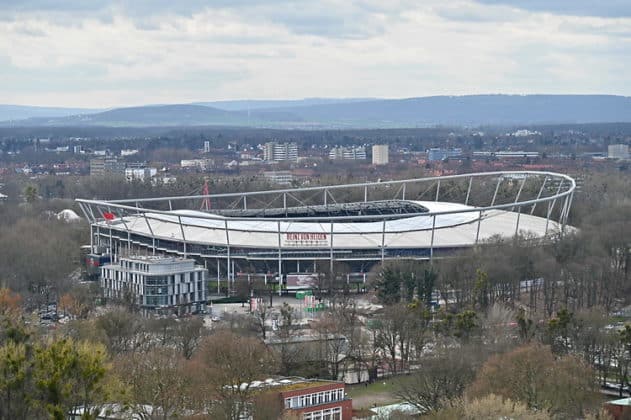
436 153
348 153
166 284
140 174
380 154
279 152
618 151
206 146
106 166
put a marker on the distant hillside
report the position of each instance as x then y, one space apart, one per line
474 110
244 105
22 112
151 115
470 110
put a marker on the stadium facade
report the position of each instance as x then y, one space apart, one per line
307 230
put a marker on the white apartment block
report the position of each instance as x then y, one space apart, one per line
380 154
618 151
197 164
348 153
164 284
141 174
279 152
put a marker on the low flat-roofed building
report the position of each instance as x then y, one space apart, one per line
309 399
279 177
106 166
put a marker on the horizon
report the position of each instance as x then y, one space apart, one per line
112 54
357 99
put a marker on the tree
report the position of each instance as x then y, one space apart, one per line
94 383
527 329
10 303
188 334
288 351
558 332
465 324
438 383
79 301
15 371
531 374
620 353
228 363
159 384
490 407
482 289
426 284
267 406
261 315
388 286
66 373
30 193
123 331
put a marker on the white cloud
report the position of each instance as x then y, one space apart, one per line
113 55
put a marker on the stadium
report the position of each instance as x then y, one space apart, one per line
296 232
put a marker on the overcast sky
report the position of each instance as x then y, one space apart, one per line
103 53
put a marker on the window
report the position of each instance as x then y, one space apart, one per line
336 413
328 414
287 402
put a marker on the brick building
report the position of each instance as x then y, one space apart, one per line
312 399
318 400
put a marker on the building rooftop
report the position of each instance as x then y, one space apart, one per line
155 259
622 401
284 384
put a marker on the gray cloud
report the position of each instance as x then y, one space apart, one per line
479 14
600 8
115 52
353 20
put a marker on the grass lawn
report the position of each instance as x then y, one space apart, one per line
381 392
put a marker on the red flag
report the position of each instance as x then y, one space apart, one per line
109 216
